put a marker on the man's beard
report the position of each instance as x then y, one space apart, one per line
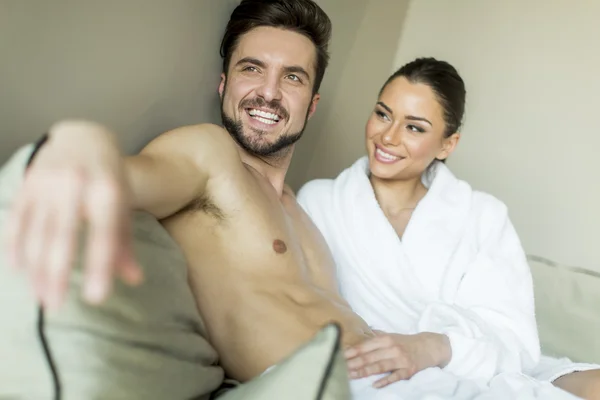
278 148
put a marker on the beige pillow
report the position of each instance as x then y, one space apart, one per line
568 310
143 343
316 371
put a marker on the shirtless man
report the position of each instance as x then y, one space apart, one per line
261 273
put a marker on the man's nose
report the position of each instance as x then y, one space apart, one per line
270 89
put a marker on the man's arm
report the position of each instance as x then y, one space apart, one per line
173 169
79 176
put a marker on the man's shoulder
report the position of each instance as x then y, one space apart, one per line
201 133
201 142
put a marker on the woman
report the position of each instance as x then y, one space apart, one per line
435 266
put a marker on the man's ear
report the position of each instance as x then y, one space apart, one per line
448 146
313 105
222 85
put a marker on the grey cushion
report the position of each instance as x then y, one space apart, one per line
568 310
316 371
143 343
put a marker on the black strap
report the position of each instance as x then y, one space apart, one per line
40 319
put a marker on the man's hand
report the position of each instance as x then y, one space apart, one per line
77 177
401 356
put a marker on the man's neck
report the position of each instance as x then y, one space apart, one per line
396 196
274 169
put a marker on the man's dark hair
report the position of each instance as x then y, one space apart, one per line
301 16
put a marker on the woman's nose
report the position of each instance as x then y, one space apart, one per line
392 137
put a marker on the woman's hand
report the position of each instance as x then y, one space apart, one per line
401 356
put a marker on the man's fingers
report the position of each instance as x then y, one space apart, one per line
63 243
128 268
398 375
35 244
16 227
103 209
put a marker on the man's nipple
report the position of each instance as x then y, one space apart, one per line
279 246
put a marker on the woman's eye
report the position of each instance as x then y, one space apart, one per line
415 128
381 115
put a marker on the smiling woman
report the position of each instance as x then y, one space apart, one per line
432 264
415 121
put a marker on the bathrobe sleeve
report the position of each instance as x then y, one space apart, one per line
491 320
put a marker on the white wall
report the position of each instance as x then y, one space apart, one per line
532 132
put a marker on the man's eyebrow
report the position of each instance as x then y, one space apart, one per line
296 69
293 69
410 117
251 60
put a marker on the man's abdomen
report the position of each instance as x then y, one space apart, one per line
268 325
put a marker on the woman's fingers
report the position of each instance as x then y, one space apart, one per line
380 355
397 375
369 358
368 346
379 362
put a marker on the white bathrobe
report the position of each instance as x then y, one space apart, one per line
459 268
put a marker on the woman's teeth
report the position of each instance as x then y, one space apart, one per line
386 156
264 117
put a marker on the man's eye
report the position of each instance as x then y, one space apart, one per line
250 69
294 78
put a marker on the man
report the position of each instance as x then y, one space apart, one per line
253 255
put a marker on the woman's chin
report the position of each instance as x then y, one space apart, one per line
383 172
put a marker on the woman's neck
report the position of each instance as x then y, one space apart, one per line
397 196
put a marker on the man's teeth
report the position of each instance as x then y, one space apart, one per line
387 156
264 117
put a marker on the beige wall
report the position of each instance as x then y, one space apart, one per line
143 67
364 44
139 66
532 129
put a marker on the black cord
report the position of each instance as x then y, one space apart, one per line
41 321
48 354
